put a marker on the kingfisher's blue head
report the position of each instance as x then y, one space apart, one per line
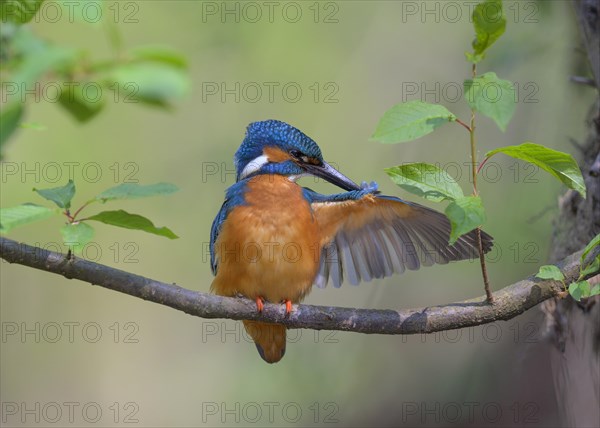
274 147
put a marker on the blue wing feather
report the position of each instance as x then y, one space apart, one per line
214 233
234 196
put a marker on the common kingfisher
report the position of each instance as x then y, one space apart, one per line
273 240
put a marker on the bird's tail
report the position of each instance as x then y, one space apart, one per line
269 339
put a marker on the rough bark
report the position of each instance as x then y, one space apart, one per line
575 327
509 301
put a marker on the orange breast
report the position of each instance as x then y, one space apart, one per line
269 247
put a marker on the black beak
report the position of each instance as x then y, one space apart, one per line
332 175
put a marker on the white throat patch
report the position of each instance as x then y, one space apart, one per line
294 178
254 165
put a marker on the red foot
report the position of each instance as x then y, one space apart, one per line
288 306
260 303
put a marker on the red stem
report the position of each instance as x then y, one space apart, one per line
79 210
481 165
467 127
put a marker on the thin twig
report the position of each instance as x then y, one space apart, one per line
463 124
481 165
474 171
81 208
587 81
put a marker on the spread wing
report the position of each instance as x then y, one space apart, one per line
375 236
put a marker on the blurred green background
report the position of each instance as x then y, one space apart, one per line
146 365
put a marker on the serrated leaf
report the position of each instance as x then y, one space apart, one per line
22 214
158 53
595 290
550 272
150 82
579 290
82 100
411 120
134 191
465 214
489 22
61 196
425 180
77 235
589 247
560 165
10 116
19 11
124 219
491 96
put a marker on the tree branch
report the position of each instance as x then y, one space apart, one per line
509 302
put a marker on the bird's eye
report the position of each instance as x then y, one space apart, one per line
301 157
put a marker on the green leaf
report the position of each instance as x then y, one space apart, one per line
150 82
574 291
124 219
595 290
134 191
550 272
10 116
492 97
465 214
77 235
35 58
579 290
36 126
82 100
589 247
411 120
425 180
23 41
560 165
61 196
158 53
490 23
585 287
19 11
22 214
592 268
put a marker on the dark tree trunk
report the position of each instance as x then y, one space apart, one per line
575 327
